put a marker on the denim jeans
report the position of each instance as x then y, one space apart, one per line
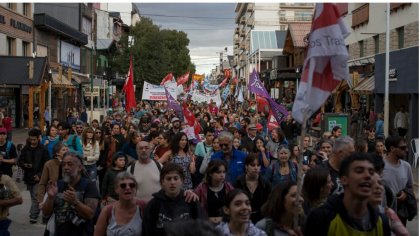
4 227
92 171
34 211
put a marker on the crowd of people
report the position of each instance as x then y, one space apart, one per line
141 173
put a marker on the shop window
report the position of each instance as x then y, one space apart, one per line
376 42
400 33
361 49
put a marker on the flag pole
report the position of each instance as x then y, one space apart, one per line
300 164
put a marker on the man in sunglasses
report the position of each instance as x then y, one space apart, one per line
235 159
398 176
73 199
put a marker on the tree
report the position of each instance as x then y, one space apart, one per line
155 52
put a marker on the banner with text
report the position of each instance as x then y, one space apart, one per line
157 92
201 97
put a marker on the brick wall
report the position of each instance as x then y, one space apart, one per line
411 34
9 30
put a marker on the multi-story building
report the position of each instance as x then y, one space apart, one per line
20 73
366 45
260 34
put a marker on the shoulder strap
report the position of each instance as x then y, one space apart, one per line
269 227
158 165
132 167
8 147
74 142
108 212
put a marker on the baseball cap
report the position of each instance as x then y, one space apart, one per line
3 130
174 119
259 126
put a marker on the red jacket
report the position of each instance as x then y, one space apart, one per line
7 123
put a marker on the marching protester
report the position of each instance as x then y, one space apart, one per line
91 152
283 169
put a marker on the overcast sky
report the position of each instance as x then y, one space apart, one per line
209 27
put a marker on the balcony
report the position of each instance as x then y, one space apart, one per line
297 5
86 11
360 16
250 7
243 20
250 21
295 18
243 31
395 6
242 57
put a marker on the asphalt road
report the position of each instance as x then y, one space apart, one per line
20 214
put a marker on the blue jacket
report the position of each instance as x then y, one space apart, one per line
236 166
130 149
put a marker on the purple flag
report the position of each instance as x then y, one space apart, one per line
173 104
255 85
279 112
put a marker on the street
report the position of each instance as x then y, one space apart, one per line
20 214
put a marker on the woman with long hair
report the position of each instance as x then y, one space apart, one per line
254 185
277 138
237 209
51 172
51 139
336 132
91 152
283 169
282 206
213 189
380 148
182 156
123 217
316 188
263 155
101 163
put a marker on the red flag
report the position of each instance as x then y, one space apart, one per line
326 62
167 78
272 122
130 98
223 82
189 116
183 78
262 104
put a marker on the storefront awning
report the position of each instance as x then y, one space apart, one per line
366 86
60 83
80 78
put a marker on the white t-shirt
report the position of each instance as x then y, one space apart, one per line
147 177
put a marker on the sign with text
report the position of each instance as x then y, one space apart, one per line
330 120
95 91
201 97
70 55
157 92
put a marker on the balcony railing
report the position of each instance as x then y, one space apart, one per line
295 18
360 16
250 7
396 6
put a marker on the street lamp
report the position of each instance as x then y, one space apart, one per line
297 79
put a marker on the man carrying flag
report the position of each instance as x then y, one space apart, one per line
326 61
128 88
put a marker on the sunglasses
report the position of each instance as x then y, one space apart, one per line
124 185
224 144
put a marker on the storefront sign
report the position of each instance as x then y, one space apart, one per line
70 55
95 91
16 24
157 92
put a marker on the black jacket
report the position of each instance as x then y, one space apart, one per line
35 157
259 197
321 219
162 210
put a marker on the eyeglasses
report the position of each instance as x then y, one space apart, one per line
124 185
224 144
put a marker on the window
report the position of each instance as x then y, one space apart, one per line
12 6
400 33
27 9
26 49
11 47
376 42
361 49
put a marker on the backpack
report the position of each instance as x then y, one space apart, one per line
73 143
133 164
269 227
